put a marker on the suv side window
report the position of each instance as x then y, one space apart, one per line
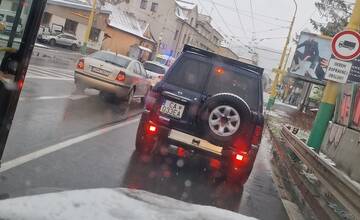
235 81
190 74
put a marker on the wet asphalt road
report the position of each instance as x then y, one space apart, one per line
50 114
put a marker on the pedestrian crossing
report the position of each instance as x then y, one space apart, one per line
51 73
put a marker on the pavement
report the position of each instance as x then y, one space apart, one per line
61 140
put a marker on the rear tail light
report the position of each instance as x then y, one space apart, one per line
256 139
81 64
121 76
150 99
151 129
239 157
180 152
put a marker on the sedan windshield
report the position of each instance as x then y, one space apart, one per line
110 58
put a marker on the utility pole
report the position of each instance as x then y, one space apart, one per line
88 29
328 101
278 71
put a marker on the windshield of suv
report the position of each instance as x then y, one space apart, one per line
235 81
154 68
111 58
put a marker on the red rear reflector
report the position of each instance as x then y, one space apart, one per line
180 152
80 64
215 164
239 157
121 76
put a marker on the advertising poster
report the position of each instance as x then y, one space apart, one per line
345 104
316 92
355 119
311 58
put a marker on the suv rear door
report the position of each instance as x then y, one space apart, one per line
182 91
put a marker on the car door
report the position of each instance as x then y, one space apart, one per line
60 39
146 80
139 79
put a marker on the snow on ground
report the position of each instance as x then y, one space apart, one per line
108 204
326 159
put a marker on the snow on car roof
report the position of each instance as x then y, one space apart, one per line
109 204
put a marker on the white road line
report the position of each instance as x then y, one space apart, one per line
52 71
50 68
56 147
46 77
72 97
49 73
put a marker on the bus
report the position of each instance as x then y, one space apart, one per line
19 24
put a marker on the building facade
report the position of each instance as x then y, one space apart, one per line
72 17
174 23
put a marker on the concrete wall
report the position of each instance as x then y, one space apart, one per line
342 145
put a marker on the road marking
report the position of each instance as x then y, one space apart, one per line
62 145
72 97
47 77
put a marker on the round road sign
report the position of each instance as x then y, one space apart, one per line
346 45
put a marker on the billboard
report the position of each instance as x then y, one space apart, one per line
311 58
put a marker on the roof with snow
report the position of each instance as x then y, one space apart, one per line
78 4
185 4
126 22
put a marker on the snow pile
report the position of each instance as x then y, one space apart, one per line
108 204
326 159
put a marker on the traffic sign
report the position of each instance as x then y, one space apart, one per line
338 71
346 45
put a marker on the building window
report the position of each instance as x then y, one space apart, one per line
14 6
176 34
154 7
184 39
143 4
46 18
94 34
70 26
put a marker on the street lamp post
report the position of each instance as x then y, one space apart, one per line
279 70
88 29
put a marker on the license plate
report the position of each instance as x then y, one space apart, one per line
99 71
173 109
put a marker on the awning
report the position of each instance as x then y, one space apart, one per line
145 49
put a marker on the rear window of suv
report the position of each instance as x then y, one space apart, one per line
235 81
189 74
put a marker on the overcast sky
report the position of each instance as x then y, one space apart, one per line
270 24
271 19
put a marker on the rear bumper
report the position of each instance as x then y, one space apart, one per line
172 142
88 81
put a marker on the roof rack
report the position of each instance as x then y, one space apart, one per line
192 49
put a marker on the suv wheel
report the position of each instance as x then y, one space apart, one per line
224 117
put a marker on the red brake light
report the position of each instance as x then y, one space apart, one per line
121 76
180 152
256 139
81 64
151 129
239 157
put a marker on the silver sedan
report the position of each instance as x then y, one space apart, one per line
117 77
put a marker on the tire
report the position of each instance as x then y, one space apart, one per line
73 47
224 118
52 42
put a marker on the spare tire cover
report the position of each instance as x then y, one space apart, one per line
226 118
